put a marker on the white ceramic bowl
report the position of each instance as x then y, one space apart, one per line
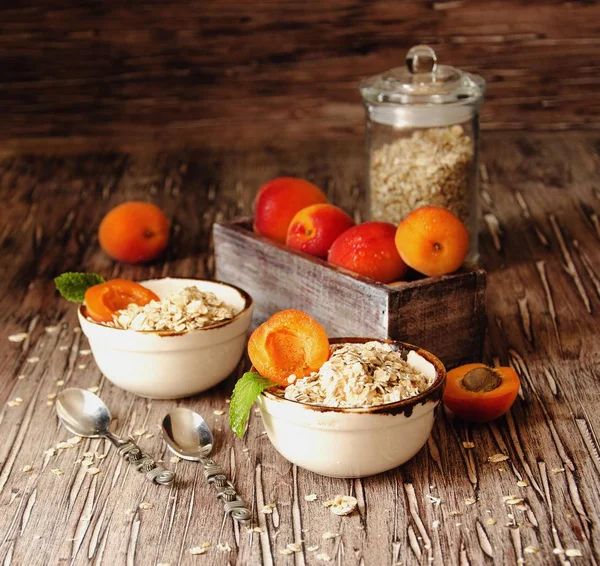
169 365
355 442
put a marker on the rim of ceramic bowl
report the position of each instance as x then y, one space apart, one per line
432 393
248 303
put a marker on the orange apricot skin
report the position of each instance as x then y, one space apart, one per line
314 228
134 232
369 250
290 342
432 240
278 201
102 301
480 407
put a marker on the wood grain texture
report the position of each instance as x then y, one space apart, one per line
419 311
108 75
540 193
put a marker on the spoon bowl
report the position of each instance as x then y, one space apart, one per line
83 413
187 434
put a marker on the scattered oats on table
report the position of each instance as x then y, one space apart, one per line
468 445
93 471
189 309
295 547
218 412
362 375
145 505
33 360
431 167
223 547
268 509
27 468
323 557
433 499
310 497
512 500
341 504
494 458
197 550
17 338
328 534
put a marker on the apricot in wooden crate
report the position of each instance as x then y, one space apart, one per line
369 249
432 240
278 201
314 228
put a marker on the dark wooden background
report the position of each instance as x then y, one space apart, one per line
111 74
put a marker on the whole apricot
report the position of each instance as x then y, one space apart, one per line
278 201
314 228
369 249
134 232
432 240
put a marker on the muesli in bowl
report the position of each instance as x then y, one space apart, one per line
368 407
166 338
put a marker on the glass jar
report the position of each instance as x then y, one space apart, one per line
422 140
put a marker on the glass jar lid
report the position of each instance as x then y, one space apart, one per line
433 92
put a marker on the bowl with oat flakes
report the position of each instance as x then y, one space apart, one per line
183 344
368 409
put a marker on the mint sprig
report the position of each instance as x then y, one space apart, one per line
245 392
72 286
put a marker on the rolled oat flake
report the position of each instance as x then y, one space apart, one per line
422 137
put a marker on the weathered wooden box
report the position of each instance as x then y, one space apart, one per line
445 315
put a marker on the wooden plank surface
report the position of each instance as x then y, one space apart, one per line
540 244
172 72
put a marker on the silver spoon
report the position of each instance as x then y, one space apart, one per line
188 436
84 414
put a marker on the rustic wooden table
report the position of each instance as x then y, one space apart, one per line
450 505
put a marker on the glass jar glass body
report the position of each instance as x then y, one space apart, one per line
409 167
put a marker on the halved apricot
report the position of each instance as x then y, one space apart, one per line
478 393
104 300
289 343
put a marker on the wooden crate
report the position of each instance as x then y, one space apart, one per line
445 315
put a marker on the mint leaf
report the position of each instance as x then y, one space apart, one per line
72 286
245 392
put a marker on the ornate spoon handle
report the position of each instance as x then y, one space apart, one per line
232 503
133 454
